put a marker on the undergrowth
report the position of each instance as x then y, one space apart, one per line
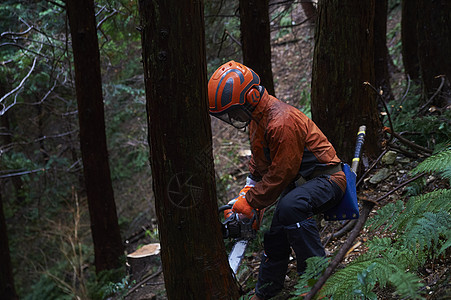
417 229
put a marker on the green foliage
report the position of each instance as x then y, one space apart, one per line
440 162
395 49
119 289
108 283
429 130
315 268
416 230
221 16
46 288
304 103
366 284
285 21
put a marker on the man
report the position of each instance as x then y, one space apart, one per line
291 161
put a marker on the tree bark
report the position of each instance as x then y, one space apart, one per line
108 247
434 44
381 56
343 61
256 40
192 249
409 40
7 290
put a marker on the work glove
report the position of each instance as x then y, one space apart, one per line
249 184
228 212
241 205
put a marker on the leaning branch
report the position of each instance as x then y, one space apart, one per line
442 77
366 210
392 130
5 108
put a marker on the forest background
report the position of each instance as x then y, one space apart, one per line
42 188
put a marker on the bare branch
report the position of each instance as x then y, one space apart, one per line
442 77
5 108
4 34
106 18
232 37
23 48
22 173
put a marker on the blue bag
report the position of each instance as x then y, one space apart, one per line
348 208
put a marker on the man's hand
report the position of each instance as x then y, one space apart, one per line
228 212
241 205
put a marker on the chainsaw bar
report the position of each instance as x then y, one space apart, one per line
237 254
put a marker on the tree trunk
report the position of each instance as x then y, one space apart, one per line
256 40
434 44
192 249
409 40
7 290
381 56
108 247
343 61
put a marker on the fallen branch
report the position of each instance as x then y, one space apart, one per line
138 285
412 145
366 210
371 167
345 229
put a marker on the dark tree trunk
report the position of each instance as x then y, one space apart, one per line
5 141
381 56
108 247
434 44
343 61
256 40
192 249
410 40
7 290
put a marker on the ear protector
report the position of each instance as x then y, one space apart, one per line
253 95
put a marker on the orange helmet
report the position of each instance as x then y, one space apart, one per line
231 86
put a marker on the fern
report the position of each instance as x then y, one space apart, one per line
447 242
428 230
418 229
315 267
366 284
399 216
344 280
407 284
438 163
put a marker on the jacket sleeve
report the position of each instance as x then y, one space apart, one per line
286 142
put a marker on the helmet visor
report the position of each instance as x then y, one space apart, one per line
237 117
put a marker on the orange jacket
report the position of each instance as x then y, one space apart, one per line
285 143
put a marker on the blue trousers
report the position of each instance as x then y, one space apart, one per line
294 228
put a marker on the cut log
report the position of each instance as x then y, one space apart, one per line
143 261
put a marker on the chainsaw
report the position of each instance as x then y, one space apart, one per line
238 227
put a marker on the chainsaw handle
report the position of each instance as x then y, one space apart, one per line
225 207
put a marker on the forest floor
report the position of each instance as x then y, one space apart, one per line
292 64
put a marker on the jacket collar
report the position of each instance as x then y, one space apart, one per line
261 107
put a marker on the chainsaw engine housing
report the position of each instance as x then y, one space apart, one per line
238 227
